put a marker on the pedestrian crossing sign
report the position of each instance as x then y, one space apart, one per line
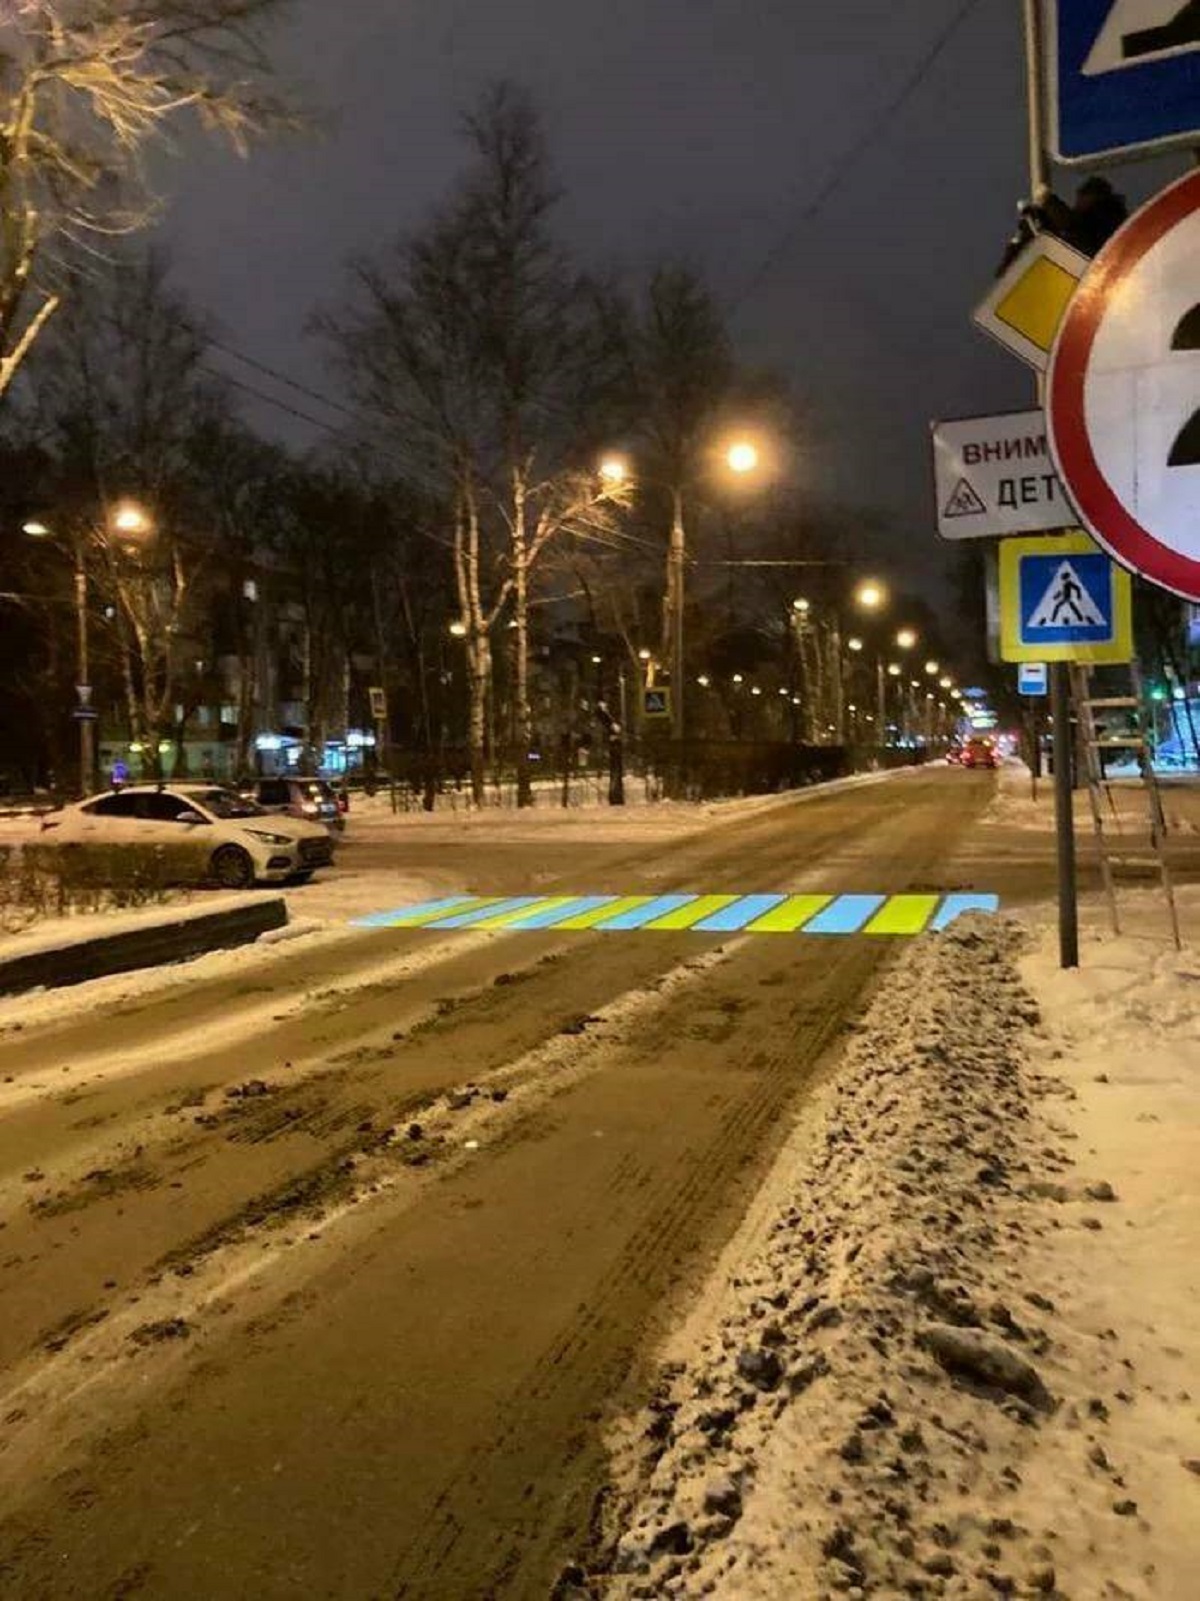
1063 599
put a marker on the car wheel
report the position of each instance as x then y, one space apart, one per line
299 878
232 867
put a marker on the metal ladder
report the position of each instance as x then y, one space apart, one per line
1100 791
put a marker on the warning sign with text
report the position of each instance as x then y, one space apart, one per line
995 475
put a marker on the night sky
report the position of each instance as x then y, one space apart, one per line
694 129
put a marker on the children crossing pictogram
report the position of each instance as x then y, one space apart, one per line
964 502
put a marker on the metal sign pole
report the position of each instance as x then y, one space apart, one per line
1060 692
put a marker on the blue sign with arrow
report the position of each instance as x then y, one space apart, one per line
1124 77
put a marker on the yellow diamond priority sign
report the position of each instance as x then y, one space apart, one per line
1029 300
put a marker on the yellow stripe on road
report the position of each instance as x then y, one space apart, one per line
506 919
601 914
686 916
791 915
903 914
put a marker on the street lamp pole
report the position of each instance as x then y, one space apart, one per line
83 688
675 593
881 700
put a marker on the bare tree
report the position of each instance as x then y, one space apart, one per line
86 88
474 351
120 392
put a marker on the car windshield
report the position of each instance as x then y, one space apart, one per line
224 803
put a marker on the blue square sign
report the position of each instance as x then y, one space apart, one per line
1124 76
1033 678
1066 600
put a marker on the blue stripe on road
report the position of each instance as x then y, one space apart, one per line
406 914
476 914
639 915
730 918
846 916
559 914
955 906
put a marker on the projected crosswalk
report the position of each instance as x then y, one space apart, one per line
895 915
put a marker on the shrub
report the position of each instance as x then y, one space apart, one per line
40 880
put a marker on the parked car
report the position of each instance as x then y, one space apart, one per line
980 753
244 844
310 798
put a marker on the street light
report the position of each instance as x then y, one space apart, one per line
855 644
127 517
906 638
614 470
36 530
870 595
894 669
742 456
801 605
932 668
458 630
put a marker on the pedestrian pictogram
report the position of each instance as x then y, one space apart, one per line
1124 77
1066 603
656 703
1063 599
1122 393
964 502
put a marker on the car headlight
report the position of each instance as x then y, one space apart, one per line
269 839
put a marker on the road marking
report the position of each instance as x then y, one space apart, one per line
846 915
411 916
698 906
569 906
744 910
485 908
903 914
641 916
620 903
791 916
893 915
955 906
533 905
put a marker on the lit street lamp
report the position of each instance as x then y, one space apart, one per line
742 456
128 518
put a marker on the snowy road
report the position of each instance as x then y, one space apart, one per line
291 1311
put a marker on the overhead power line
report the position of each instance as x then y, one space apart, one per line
270 400
282 378
842 167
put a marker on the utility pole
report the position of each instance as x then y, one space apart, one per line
880 701
1060 683
675 603
83 688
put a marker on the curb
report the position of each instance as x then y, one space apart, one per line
173 940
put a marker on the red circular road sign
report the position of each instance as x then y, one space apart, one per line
1123 397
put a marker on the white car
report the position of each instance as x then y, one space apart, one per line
244 844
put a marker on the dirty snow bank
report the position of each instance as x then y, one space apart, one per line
896 1385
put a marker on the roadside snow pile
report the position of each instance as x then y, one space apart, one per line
886 1400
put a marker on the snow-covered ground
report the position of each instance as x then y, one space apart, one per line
953 1349
1018 806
